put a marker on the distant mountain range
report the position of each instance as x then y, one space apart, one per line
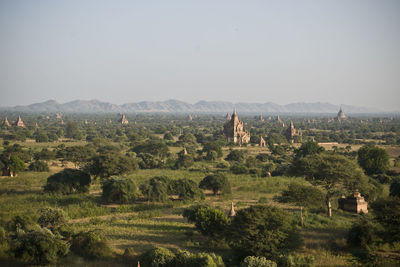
175 106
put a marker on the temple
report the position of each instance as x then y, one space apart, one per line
234 131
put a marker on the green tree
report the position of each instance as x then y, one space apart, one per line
110 164
395 187
68 181
236 155
263 231
373 160
155 147
38 247
52 218
186 189
79 155
309 148
39 166
92 245
303 195
72 130
157 189
253 261
158 257
387 214
208 221
217 183
334 173
15 164
119 190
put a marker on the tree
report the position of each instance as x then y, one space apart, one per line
395 187
210 222
110 164
238 168
92 245
52 219
158 257
119 190
72 130
309 148
387 214
373 160
252 261
364 234
79 155
39 166
155 147
68 181
157 189
332 172
38 247
302 195
210 147
235 155
148 161
184 161
263 231
217 183
186 189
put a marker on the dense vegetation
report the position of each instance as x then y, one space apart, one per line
158 191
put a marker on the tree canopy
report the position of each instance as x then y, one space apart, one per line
373 160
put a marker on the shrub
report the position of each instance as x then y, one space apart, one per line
158 257
39 166
363 234
303 195
184 161
19 223
68 181
119 190
263 231
39 247
186 189
91 245
217 183
236 155
296 261
395 187
110 163
156 189
52 219
252 261
210 222
238 168
373 160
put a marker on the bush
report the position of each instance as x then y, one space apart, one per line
158 257
39 166
263 231
52 219
184 161
363 234
110 163
236 155
296 261
91 245
238 168
119 190
217 183
373 160
252 261
68 181
210 222
302 195
186 189
19 223
39 247
157 189
395 187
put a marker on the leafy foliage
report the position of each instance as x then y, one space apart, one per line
186 189
109 164
303 195
373 160
39 247
236 155
209 221
263 231
91 245
39 166
157 189
68 181
52 218
253 261
216 182
395 187
119 190
387 214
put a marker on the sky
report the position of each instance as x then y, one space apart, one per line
339 51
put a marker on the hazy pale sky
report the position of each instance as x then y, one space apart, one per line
339 51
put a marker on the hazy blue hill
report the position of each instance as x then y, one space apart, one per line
95 106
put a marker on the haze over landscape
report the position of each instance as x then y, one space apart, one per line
341 52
